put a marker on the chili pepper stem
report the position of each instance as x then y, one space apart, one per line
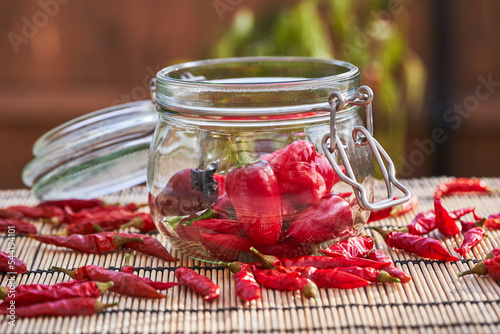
310 290
479 269
480 223
208 214
384 276
3 292
98 229
126 263
243 156
99 307
103 287
70 273
382 232
119 241
266 260
402 229
136 222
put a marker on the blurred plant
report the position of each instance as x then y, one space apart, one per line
372 35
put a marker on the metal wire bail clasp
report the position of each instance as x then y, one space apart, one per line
362 137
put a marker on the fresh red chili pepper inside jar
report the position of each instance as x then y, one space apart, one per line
9 263
198 283
39 293
444 221
471 239
253 190
188 191
460 186
391 269
225 247
329 219
17 226
67 307
90 243
486 267
124 283
424 247
358 246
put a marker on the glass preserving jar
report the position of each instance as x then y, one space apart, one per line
242 156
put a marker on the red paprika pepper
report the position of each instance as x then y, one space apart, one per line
19 226
288 248
198 283
225 242
253 190
472 238
424 247
486 267
391 269
325 262
358 246
444 221
329 219
460 186
66 307
9 263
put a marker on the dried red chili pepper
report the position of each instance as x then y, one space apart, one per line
370 274
391 269
9 263
444 221
7 214
126 268
253 190
108 221
424 247
267 261
246 286
457 214
329 219
394 211
51 214
358 246
70 306
100 210
91 243
494 252
41 293
486 267
325 262
144 223
19 226
460 186
492 222
339 278
149 246
274 279
188 191
198 283
124 283
74 204
472 238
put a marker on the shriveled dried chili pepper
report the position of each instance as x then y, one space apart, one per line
108 221
325 262
8 214
472 238
100 210
267 261
246 286
126 268
144 223
19 226
90 243
494 252
188 191
489 266
391 269
74 204
124 283
41 293
421 246
51 214
338 278
358 246
9 263
394 211
444 221
460 186
198 283
329 219
149 246
371 274
253 190
274 279
492 222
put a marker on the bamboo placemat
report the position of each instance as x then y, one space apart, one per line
435 301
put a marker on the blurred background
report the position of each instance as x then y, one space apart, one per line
434 66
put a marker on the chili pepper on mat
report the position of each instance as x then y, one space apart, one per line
124 283
51 214
253 190
471 239
10 263
126 268
460 186
40 293
358 246
336 278
19 226
267 261
143 222
391 269
486 267
149 246
444 221
90 243
325 262
108 221
494 252
421 246
493 222
70 306
273 279
8 214
245 284
198 283
370 274
74 204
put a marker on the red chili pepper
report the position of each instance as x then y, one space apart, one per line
486 267
471 239
338 278
221 181
444 222
494 252
8 214
9 263
99 210
254 194
325 262
286 249
460 186
40 293
198 283
52 214
126 268
466 226
424 247
75 204
267 261
273 279
457 214
394 211
124 283
370 274
188 191
143 222
391 269
226 226
223 208
329 219
108 221
67 307
91 243
358 246
149 246
225 242
246 286
19 226
492 222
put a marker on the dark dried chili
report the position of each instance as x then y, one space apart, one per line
18 226
9 263
198 283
